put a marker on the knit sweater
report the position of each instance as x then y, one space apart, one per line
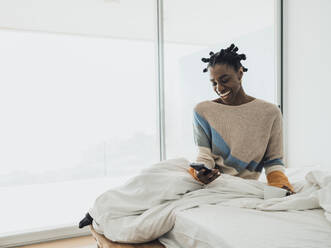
241 140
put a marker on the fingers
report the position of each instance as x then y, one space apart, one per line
212 179
201 175
213 173
208 177
216 175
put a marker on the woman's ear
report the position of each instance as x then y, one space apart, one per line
241 73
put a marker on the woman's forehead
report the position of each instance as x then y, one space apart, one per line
219 70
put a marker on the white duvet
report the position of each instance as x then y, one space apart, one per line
144 208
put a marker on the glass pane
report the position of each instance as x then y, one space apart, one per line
194 28
78 112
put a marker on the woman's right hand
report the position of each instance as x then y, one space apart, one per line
208 178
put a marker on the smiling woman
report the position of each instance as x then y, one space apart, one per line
241 135
226 73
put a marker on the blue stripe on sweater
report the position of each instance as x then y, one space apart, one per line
271 162
220 147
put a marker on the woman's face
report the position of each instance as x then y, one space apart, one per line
224 79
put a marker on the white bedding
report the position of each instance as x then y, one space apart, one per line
220 226
211 226
146 207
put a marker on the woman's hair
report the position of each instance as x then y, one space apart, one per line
227 56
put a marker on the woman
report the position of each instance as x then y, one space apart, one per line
235 130
237 134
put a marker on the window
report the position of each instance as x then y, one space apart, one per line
78 106
78 93
194 28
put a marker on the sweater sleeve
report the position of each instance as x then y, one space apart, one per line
202 139
273 157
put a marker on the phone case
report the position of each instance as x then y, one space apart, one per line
200 166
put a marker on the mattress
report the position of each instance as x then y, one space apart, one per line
229 227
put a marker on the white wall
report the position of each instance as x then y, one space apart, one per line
307 82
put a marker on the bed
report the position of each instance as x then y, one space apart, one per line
225 227
229 227
214 225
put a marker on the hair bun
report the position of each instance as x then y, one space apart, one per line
225 56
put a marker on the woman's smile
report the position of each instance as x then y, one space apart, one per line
226 95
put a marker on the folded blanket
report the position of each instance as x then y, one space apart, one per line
144 208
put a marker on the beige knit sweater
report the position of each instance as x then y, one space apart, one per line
241 140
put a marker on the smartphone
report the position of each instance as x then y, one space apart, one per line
200 166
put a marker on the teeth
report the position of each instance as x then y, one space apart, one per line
226 93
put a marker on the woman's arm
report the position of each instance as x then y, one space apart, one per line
273 157
202 140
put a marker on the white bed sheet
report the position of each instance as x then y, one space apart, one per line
228 227
216 226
